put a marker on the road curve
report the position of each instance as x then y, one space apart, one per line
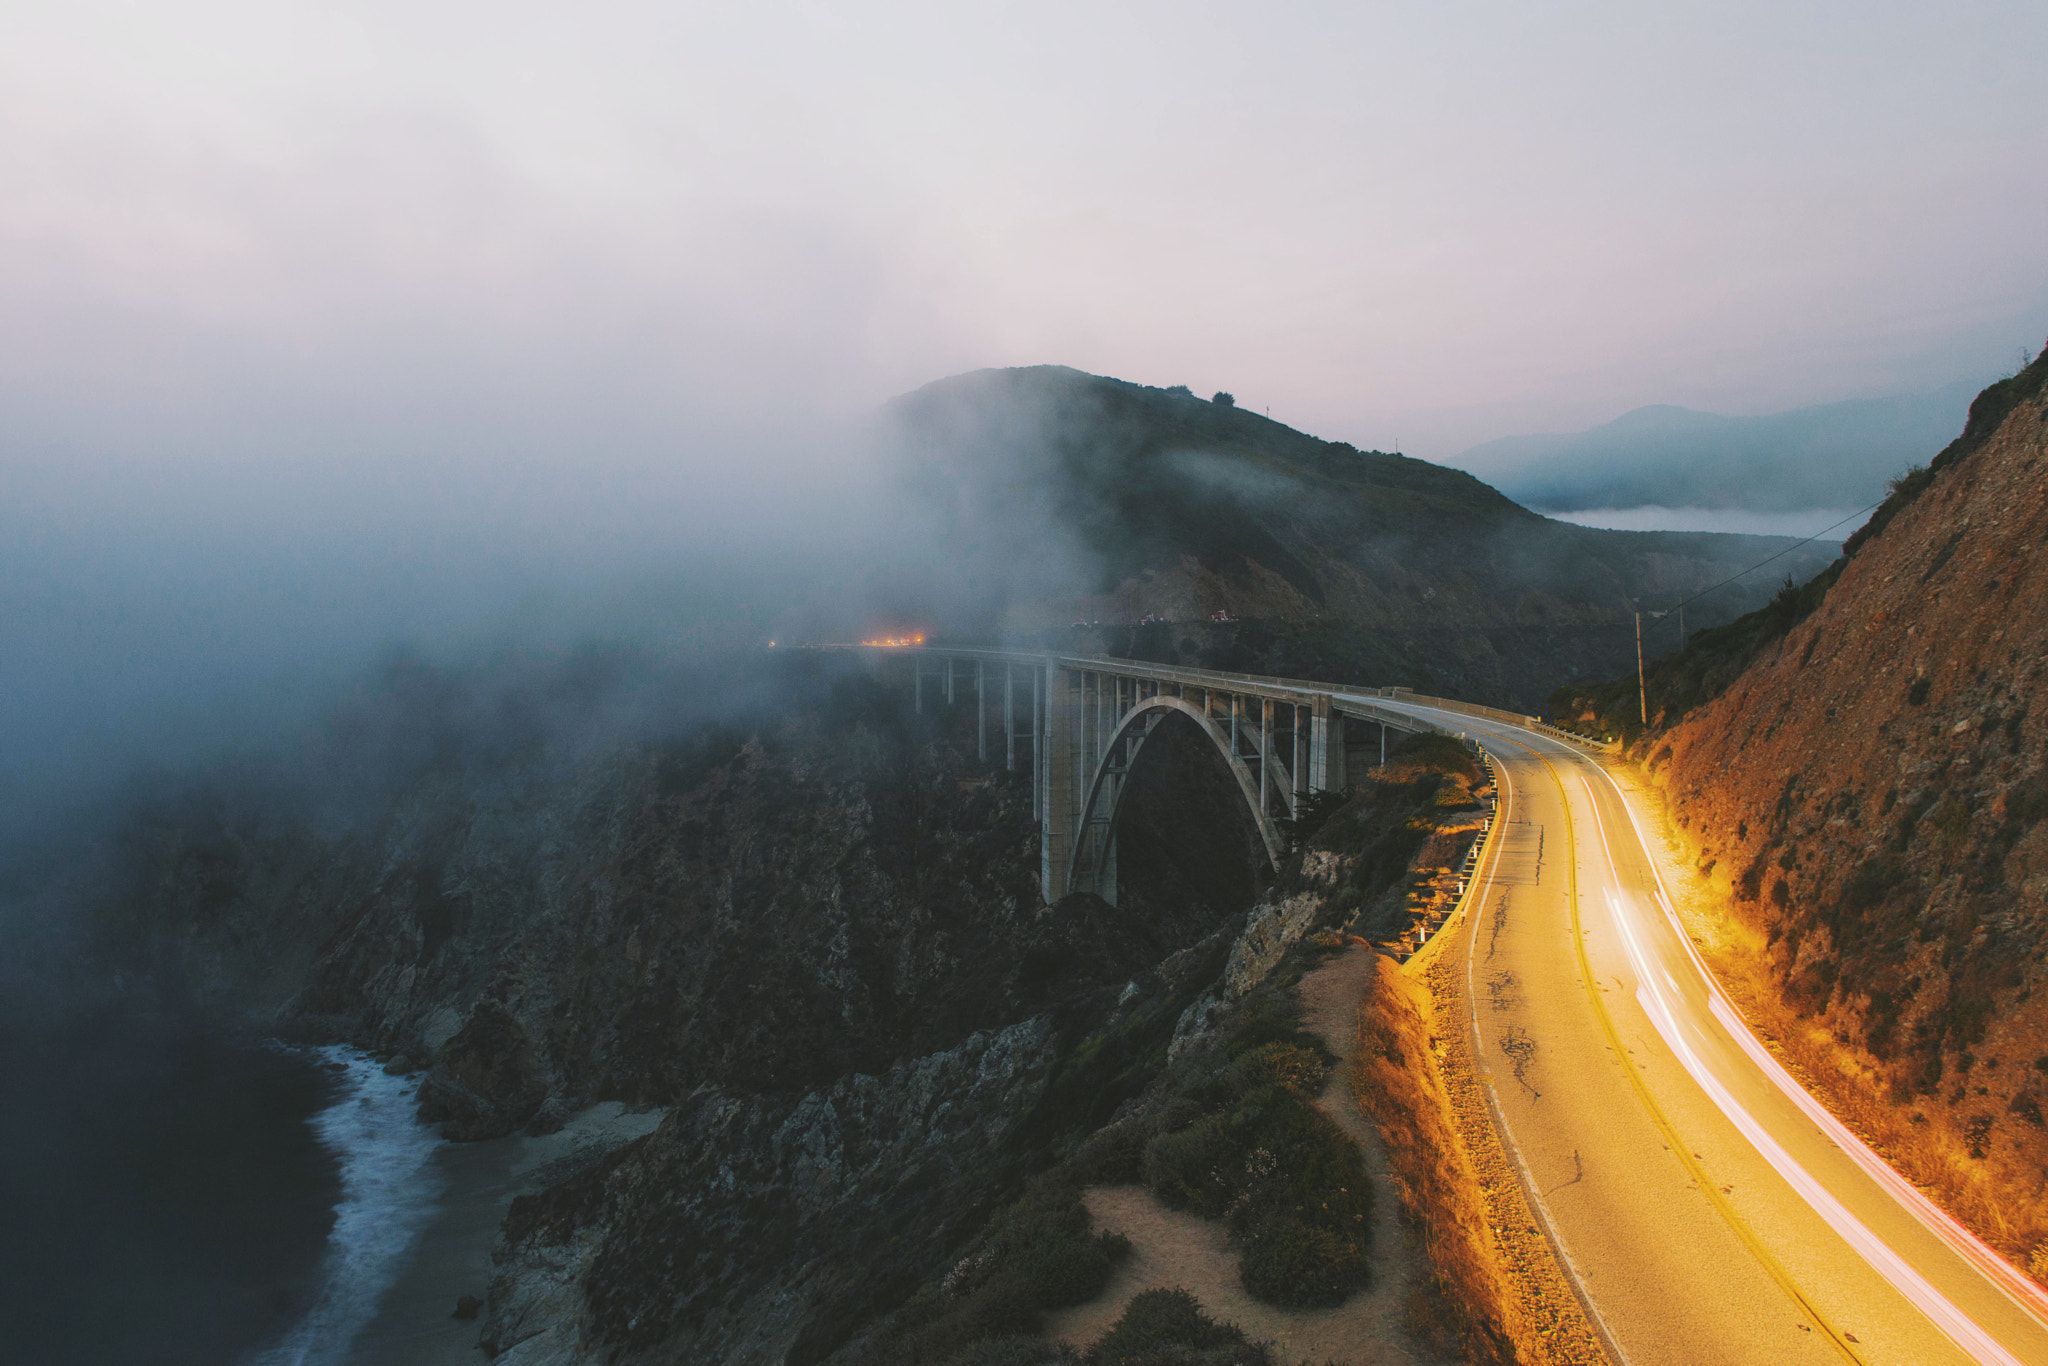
1709 1210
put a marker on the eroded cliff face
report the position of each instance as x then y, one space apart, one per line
816 940
1871 792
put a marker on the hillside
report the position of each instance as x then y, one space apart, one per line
1062 496
1835 455
1869 788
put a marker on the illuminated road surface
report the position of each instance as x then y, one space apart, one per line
1709 1209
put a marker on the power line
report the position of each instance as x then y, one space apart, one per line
1780 555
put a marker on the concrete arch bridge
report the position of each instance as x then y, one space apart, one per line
1081 721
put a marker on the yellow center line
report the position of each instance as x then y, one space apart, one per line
1720 1202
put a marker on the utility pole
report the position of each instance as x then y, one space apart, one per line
1642 690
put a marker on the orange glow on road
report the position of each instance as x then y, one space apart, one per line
895 642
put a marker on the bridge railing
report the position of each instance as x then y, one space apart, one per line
1280 689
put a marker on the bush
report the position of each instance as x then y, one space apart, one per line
1286 1261
1166 1326
1197 1168
1292 1185
1016 1351
1046 1248
1224 400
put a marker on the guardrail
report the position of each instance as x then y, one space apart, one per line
1278 688
1475 858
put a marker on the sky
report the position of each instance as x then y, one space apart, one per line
324 324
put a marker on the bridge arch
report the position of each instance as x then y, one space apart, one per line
1093 866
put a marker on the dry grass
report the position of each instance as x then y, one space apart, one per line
1495 1290
1998 1197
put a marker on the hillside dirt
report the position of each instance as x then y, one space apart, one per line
1862 815
1171 1248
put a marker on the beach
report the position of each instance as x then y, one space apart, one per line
415 1323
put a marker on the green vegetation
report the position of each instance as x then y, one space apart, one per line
1289 1183
1037 1256
1168 1328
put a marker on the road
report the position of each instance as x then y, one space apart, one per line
1708 1209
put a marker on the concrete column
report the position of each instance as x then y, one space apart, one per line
949 680
1300 763
1009 719
1265 755
1057 740
1234 708
1383 744
1037 746
1325 748
981 708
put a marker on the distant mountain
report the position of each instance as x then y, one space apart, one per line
1062 496
1834 455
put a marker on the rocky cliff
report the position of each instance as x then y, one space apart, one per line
1871 791
810 934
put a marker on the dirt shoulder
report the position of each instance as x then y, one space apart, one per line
1495 1281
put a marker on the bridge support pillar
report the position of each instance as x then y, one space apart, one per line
1326 748
1297 732
949 682
1057 779
1009 719
1265 756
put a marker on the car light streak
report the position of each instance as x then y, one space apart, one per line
2020 1288
1958 1326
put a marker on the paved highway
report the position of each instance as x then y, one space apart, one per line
1709 1210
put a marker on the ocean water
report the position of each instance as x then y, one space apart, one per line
390 1188
163 1196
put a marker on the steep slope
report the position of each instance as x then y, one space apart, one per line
1872 789
1065 495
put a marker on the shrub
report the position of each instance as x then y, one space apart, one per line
1195 1168
1165 1325
1045 1247
1016 1351
1286 1261
1291 1183
1224 400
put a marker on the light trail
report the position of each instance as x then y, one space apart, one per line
1917 1289
2023 1290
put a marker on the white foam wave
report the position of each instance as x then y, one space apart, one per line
389 1190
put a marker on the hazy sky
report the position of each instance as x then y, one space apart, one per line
366 319
469 222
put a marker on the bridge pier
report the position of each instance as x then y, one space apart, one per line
1326 748
1056 782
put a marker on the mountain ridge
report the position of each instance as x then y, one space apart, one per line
1128 501
1824 455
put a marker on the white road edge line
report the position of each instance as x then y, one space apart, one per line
1500 1124
2018 1287
1918 1290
